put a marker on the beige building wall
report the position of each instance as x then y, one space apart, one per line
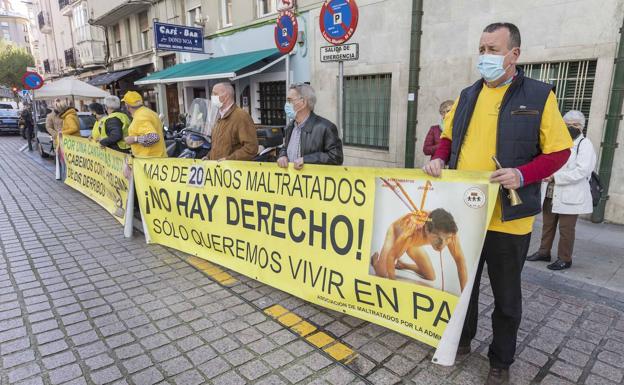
383 34
551 31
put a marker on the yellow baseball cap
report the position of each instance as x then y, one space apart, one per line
133 99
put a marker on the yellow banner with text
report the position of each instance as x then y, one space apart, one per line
97 172
391 246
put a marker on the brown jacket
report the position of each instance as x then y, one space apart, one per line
53 125
234 136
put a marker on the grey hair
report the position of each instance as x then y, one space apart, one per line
229 89
306 92
112 101
575 116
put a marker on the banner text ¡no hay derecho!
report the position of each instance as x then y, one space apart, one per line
358 240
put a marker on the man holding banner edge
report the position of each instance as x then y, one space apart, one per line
516 119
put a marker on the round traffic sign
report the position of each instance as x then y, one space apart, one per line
32 81
286 30
338 20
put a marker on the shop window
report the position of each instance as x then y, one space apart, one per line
366 109
271 103
573 81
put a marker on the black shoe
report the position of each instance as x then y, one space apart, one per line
462 350
497 376
559 265
538 257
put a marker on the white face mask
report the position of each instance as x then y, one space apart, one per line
214 99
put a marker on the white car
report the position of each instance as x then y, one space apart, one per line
9 118
44 143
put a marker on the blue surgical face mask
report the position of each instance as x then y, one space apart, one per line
491 67
289 109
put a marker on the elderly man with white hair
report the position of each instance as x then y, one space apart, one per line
234 134
567 195
114 126
309 138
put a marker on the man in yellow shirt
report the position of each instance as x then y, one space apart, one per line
145 133
517 119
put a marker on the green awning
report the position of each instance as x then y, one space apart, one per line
218 68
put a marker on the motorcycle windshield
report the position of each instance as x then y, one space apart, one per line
203 116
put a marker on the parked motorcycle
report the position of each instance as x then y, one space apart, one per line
194 141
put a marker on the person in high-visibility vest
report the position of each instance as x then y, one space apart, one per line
97 110
114 126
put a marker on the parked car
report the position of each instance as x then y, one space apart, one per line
9 118
44 142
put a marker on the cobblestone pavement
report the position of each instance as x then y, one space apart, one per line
80 304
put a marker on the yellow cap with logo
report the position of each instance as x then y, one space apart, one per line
133 99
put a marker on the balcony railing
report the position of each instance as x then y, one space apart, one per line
43 18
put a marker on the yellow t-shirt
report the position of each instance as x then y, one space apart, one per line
479 145
146 121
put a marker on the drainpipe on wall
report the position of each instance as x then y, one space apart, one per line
613 118
414 69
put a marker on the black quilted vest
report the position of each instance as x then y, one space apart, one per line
517 138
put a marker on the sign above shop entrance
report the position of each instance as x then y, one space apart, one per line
173 37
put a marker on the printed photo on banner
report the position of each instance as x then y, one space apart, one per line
427 232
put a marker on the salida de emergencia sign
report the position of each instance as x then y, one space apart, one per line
345 52
173 37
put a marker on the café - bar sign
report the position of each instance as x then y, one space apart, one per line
173 37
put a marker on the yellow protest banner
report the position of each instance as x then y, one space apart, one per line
97 172
391 246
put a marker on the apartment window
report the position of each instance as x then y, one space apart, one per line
6 35
144 26
4 24
25 27
130 50
573 81
367 110
272 100
192 15
266 7
26 39
226 13
117 40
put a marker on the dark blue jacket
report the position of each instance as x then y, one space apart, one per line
518 134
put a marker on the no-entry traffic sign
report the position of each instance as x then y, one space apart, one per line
32 81
338 20
286 30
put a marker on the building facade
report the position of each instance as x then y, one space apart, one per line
68 44
15 27
571 44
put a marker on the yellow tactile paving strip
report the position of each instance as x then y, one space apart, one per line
213 271
337 350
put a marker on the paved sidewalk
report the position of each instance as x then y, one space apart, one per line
79 304
598 259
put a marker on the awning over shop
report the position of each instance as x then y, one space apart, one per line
108 78
224 67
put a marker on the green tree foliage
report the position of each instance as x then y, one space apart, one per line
13 63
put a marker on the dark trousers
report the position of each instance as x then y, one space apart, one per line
567 230
505 255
